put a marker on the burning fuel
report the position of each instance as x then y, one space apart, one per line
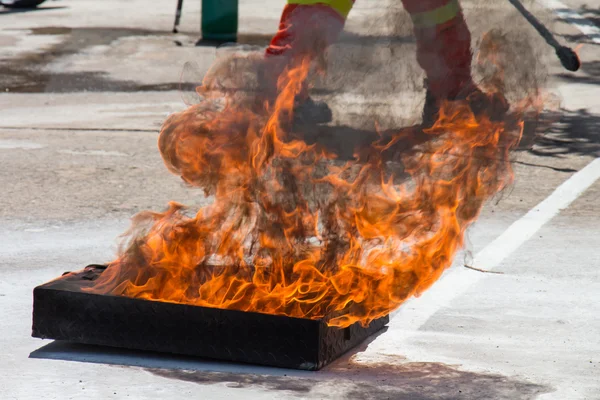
291 230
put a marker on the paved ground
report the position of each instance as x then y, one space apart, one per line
86 86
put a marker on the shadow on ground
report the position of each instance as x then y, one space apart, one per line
559 134
589 16
398 381
589 74
4 10
396 378
568 133
28 73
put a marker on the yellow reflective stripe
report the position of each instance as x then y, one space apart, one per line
343 7
438 16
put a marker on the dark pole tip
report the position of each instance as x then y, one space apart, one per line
568 58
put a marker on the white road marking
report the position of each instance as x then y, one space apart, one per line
565 13
19 144
93 153
415 313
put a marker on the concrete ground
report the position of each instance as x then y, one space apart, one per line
84 87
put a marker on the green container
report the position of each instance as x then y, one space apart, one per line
220 20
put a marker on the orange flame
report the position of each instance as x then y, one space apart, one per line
290 232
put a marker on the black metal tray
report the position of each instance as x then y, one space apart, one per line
62 311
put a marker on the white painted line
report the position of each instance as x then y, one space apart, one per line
415 313
19 144
523 229
94 153
586 26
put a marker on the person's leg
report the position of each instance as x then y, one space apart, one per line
443 45
307 28
444 53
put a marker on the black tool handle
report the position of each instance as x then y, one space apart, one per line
567 56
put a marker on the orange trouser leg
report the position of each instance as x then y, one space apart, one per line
304 31
443 39
443 45
299 26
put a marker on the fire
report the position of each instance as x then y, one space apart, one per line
292 231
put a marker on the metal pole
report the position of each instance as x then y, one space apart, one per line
177 15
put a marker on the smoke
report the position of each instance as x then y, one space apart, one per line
371 74
375 61
296 230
